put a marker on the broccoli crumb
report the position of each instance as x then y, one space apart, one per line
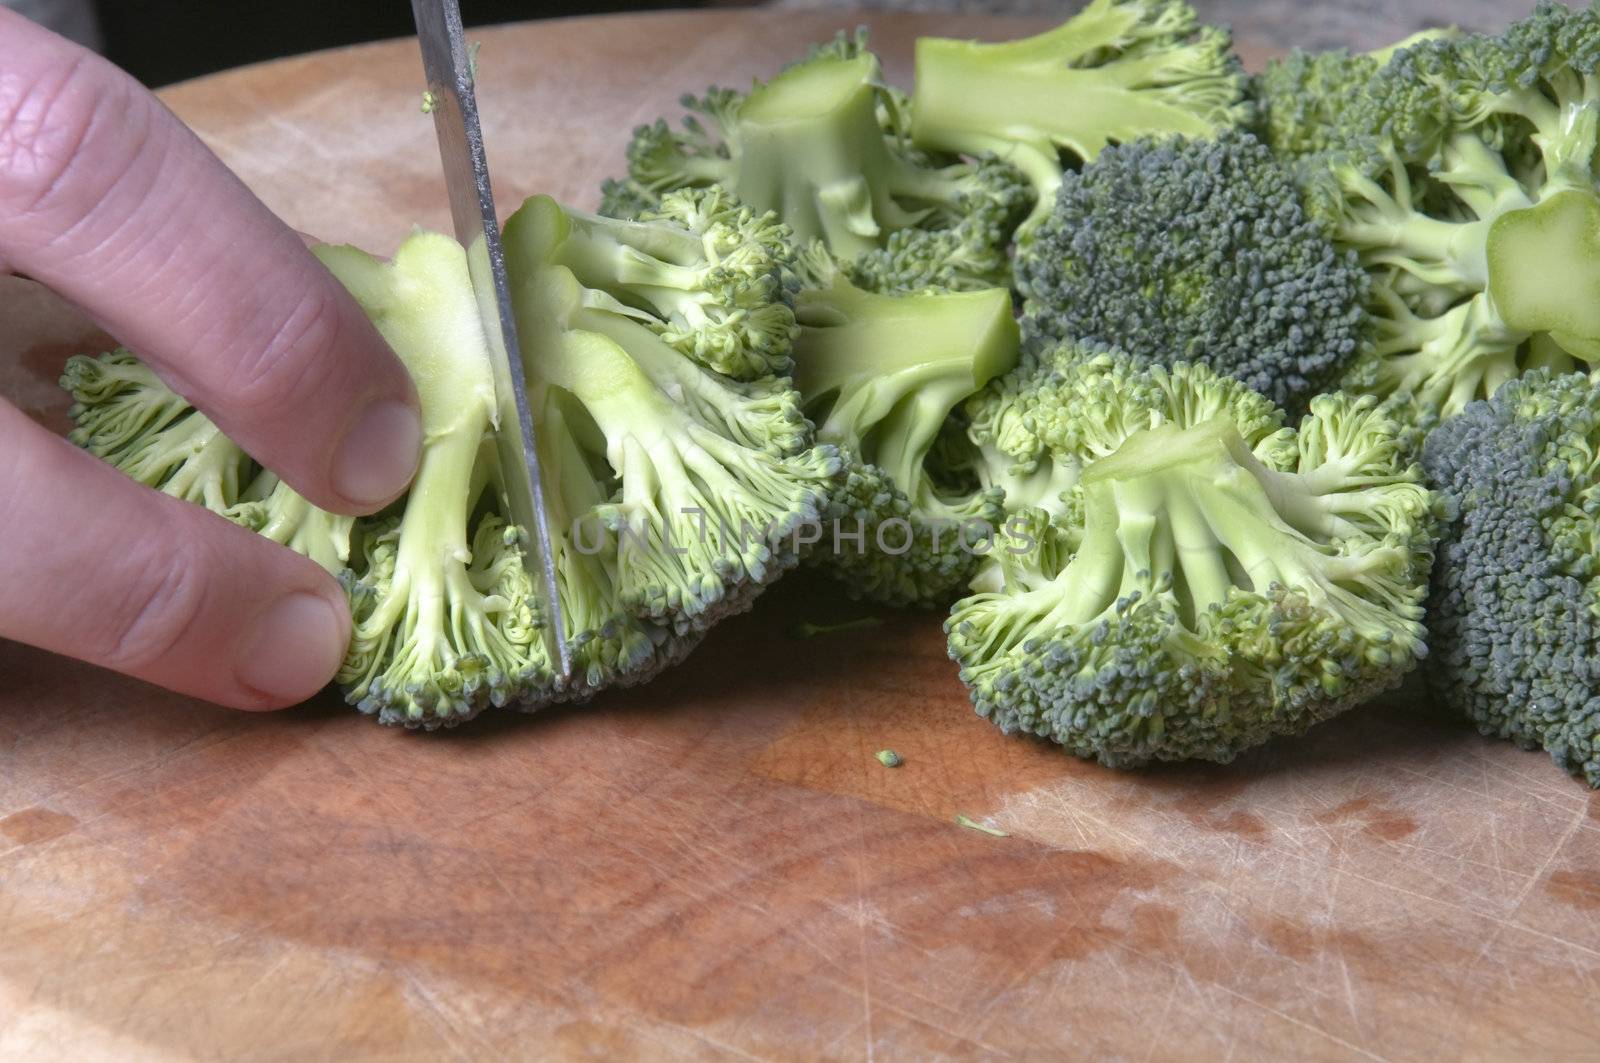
964 820
889 758
807 630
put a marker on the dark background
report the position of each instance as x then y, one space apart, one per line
161 41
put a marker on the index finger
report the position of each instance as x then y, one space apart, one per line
109 199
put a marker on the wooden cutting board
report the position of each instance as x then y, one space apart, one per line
715 865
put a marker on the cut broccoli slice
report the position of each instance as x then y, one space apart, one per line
1223 580
712 475
633 430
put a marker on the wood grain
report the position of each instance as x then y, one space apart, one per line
715 866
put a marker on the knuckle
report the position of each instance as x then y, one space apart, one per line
160 603
47 123
288 360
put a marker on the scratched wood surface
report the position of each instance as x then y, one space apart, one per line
715 866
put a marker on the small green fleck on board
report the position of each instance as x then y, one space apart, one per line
889 758
964 820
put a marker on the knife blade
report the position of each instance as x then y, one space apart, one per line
453 103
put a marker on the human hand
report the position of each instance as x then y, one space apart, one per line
109 200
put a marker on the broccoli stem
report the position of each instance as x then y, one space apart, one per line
893 367
813 150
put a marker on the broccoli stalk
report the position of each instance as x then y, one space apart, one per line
1221 580
429 634
880 376
1117 70
821 146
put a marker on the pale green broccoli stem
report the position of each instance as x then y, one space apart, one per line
292 521
1391 231
1007 98
1197 504
683 518
193 461
895 366
428 614
1040 486
814 152
1450 360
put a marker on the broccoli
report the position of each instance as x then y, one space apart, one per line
880 376
1218 579
824 146
1465 180
709 476
672 491
1302 99
1179 249
1117 70
127 416
1514 611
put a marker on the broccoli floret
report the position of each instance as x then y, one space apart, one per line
1118 70
880 376
1303 98
127 415
698 269
1466 182
672 492
1197 250
1223 580
707 477
823 145
1513 610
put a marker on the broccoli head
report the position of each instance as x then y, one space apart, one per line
824 146
1197 250
880 375
1117 70
672 491
1465 180
1213 580
1303 98
1514 611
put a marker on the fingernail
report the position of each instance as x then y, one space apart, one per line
378 455
293 649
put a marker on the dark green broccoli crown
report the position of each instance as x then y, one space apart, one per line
1516 587
825 145
1213 581
1181 250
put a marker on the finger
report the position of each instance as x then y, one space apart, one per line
99 568
106 197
